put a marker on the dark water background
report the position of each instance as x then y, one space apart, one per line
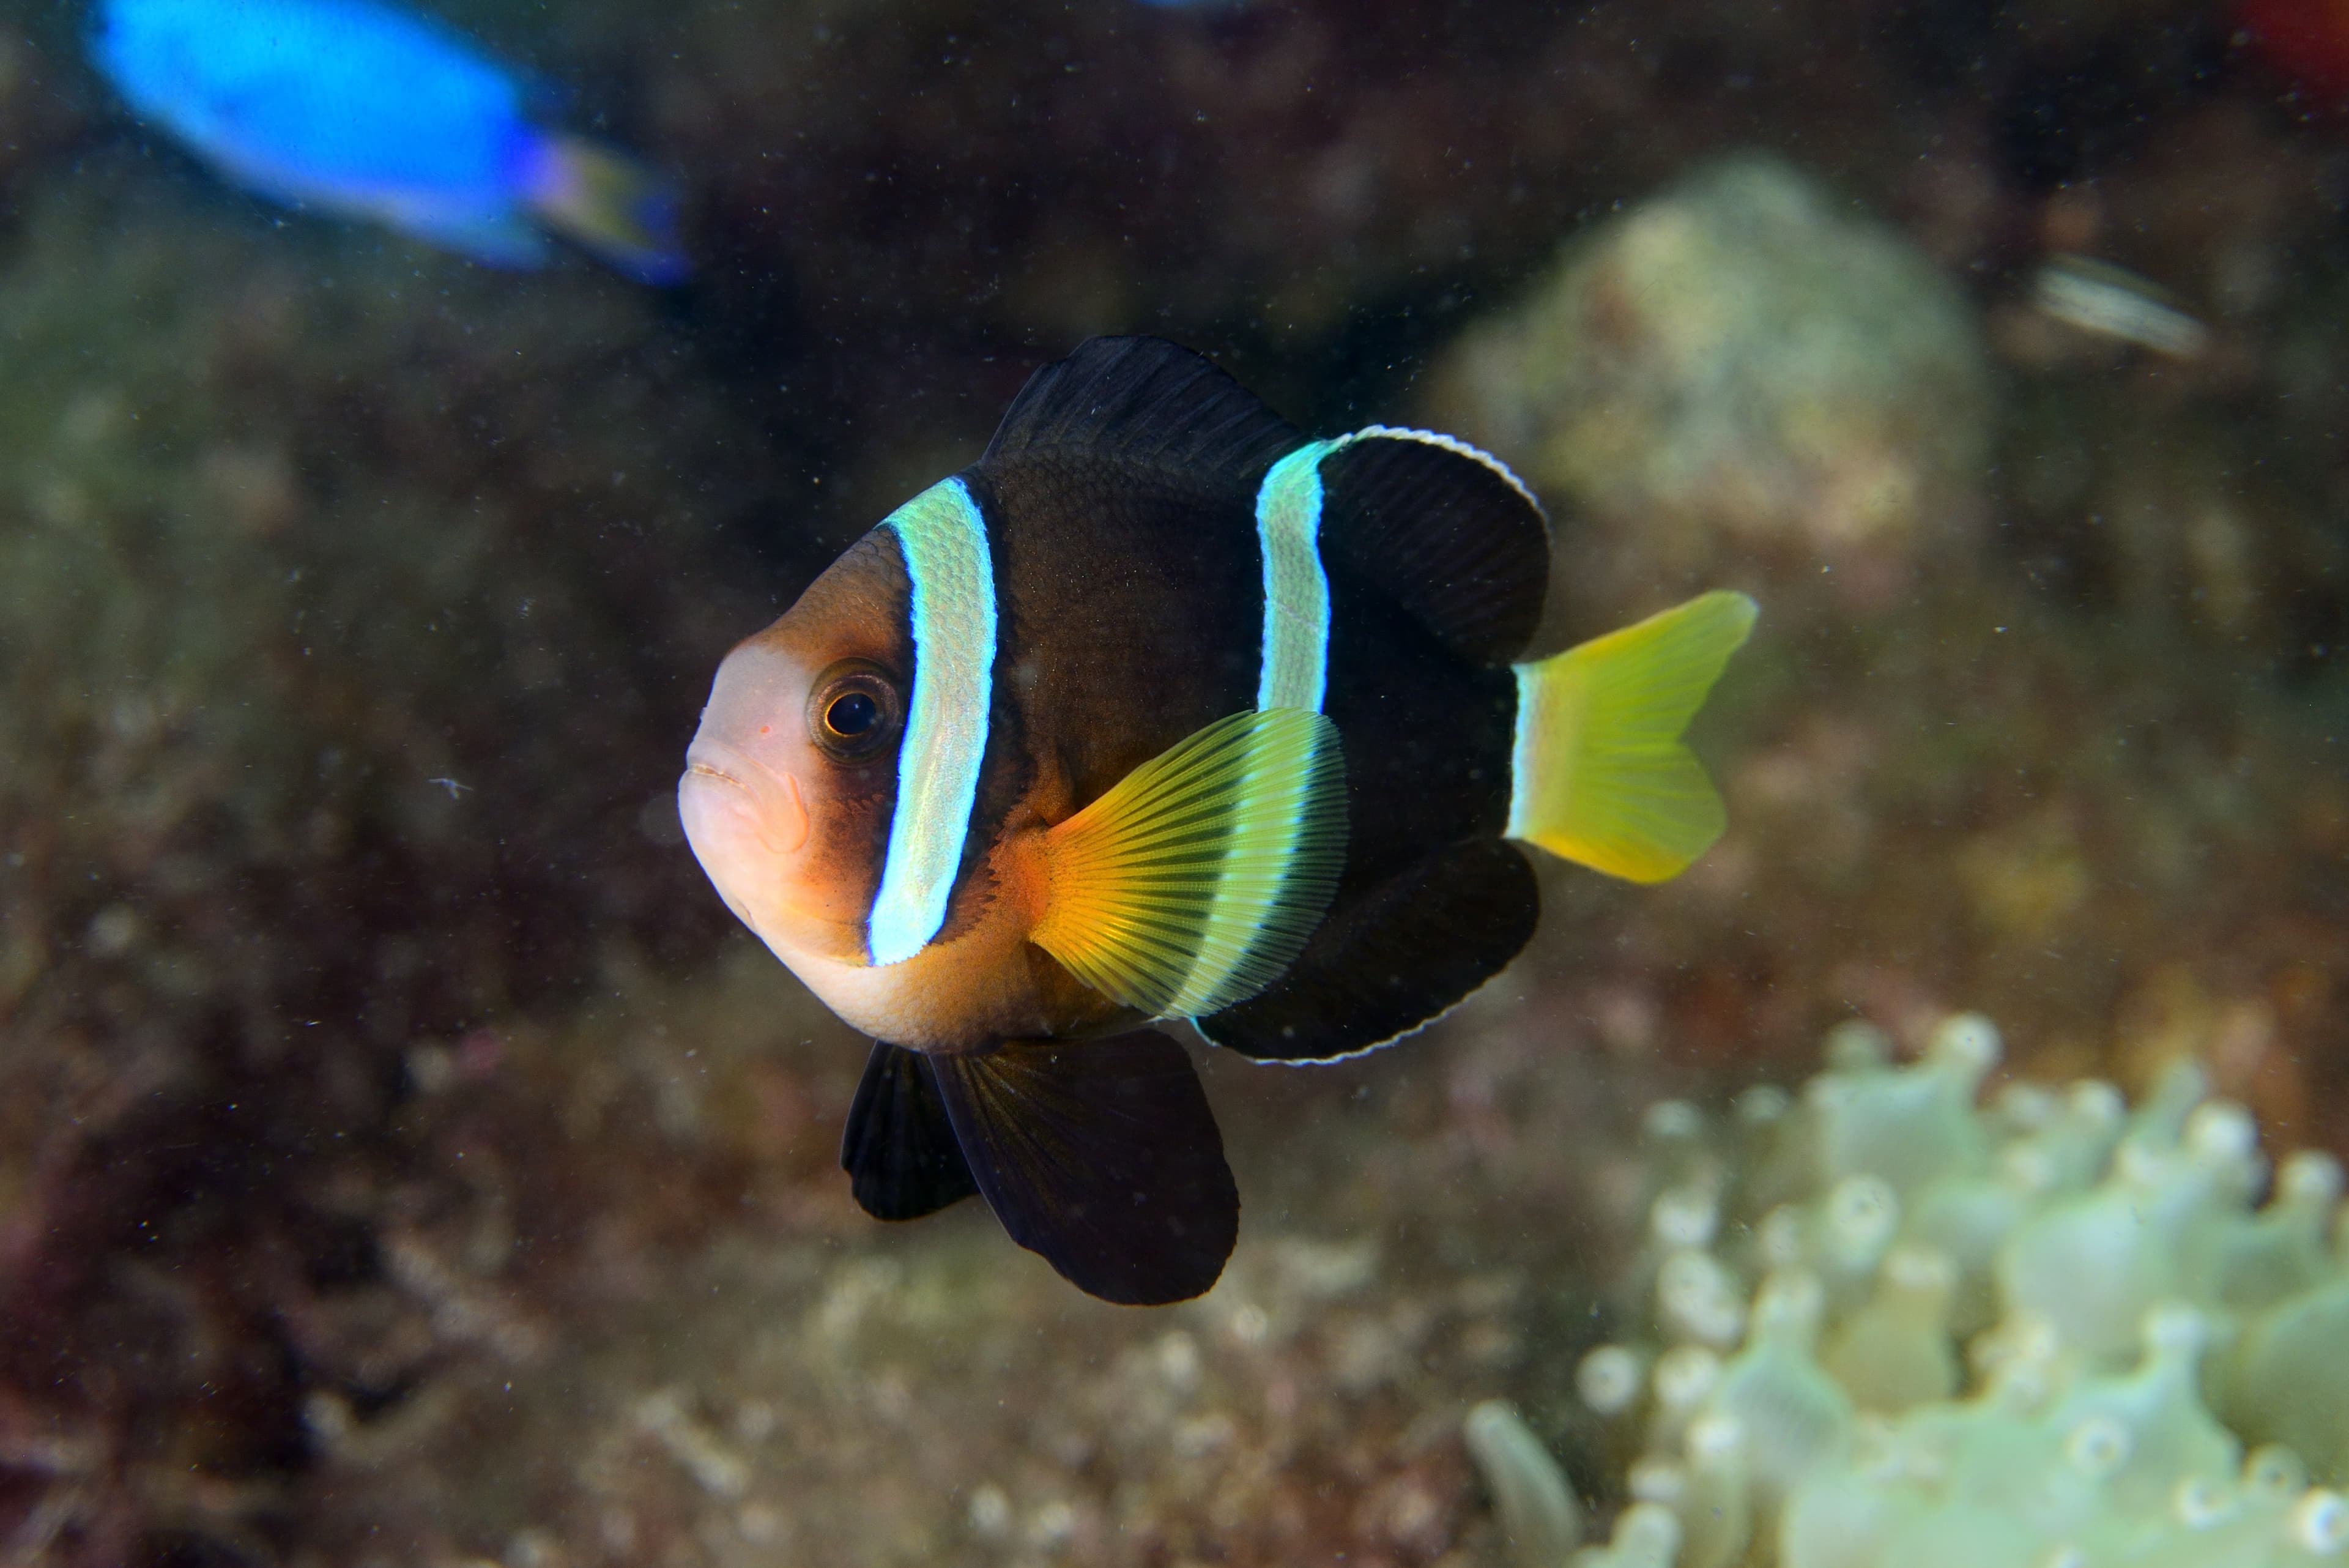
404 1158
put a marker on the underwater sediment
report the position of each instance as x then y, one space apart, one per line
256 567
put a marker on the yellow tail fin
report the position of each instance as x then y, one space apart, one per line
612 204
1602 775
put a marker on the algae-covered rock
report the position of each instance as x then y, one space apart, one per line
353 608
1741 365
326 579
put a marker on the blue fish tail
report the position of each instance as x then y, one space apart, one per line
612 204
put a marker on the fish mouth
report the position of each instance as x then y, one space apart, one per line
696 768
746 795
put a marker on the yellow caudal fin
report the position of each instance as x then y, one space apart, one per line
612 204
1195 880
1602 775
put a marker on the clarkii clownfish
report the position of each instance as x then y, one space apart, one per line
1162 710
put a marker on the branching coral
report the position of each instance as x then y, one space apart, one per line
1879 1325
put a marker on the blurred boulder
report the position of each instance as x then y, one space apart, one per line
1740 370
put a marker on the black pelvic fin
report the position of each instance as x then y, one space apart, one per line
1102 1156
1148 401
898 1147
1392 957
1445 531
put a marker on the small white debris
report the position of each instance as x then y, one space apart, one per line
2113 302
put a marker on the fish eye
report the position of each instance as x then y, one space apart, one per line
853 711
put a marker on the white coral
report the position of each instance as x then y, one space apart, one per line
1826 1273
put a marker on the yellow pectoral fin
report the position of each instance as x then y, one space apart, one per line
1197 879
1601 776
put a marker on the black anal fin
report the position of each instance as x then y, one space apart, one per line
1392 958
1148 401
1102 1156
898 1147
1442 529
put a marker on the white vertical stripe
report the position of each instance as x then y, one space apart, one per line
1294 669
953 577
1256 841
1521 753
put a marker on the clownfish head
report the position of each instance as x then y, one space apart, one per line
791 780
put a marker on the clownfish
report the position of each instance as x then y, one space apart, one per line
1162 710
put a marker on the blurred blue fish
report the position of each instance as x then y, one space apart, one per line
359 108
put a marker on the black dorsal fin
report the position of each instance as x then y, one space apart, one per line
1392 958
1145 401
1444 529
1102 1156
898 1147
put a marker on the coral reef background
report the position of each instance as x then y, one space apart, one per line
404 1159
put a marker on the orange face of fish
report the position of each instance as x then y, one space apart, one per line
790 780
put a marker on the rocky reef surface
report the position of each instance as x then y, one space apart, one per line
1741 374
402 1159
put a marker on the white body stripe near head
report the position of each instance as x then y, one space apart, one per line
1295 668
944 539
